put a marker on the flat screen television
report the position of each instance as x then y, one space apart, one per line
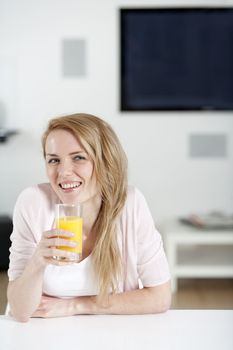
176 59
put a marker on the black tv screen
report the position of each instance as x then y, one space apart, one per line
176 59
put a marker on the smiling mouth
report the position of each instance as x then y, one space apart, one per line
70 185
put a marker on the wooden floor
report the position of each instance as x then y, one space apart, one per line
192 294
204 294
3 286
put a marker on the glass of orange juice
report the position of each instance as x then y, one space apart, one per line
69 218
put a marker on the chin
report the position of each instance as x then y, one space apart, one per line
76 197
67 198
70 199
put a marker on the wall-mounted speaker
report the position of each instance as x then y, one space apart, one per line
73 58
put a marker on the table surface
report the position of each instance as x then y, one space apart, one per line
175 329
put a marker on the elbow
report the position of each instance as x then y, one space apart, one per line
165 305
19 317
160 304
161 298
165 301
166 298
161 307
16 310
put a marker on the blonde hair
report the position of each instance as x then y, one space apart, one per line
110 166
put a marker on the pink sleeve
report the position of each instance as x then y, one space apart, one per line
152 263
23 240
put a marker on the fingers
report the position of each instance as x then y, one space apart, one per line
63 256
54 244
59 242
57 232
58 237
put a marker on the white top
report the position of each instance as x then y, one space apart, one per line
173 330
70 280
140 245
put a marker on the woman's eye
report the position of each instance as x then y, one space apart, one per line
79 158
53 161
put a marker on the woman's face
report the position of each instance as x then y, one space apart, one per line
69 168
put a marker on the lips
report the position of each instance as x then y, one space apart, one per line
70 185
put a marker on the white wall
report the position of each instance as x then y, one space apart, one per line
32 90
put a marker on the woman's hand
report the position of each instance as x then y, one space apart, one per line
47 247
24 293
54 307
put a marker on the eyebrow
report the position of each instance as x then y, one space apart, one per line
70 154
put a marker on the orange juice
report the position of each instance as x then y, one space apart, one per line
73 224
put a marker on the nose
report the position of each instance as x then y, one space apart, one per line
65 167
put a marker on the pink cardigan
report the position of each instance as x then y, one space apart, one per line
140 243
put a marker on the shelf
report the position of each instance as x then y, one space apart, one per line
194 253
205 255
194 271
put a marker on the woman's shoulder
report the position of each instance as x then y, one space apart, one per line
36 201
134 196
42 188
36 192
136 206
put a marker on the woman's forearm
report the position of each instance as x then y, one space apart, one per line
140 301
24 293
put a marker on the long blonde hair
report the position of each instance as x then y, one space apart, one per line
110 166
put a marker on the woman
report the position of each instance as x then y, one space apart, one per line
86 163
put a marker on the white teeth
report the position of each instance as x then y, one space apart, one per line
66 186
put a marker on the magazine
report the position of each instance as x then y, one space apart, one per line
212 220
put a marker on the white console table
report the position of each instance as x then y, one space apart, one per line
173 330
197 253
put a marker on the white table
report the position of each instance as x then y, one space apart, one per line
175 329
197 253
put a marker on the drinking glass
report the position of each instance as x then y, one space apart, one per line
69 218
